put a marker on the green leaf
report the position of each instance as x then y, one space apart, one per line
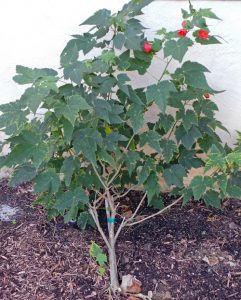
47 82
28 147
133 41
134 7
70 53
166 122
199 22
211 40
68 130
119 41
189 118
134 96
84 219
168 148
117 137
71 107
151 138
106 157
101 259
174 175
27 75
85 42
159 93
69 203
187 195
222 182
86 141
108 57
47 181
13 116
97 253
194 75
188 159
145 170
101 17
211 198
121 82
199 184
107 85
207 13
101 271
75 72
215 159
177 49
157 45
185 14
102 109
68 168
152 187
40 154
33 97
99 66
206 108
136 115
156 202
187 138
234 158
233 191
108 110
131 159
23 174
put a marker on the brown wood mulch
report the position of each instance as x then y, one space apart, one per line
190 253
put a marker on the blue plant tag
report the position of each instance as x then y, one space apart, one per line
111 220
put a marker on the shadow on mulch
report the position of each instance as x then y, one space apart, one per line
191 252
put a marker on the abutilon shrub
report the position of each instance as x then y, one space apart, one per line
88 150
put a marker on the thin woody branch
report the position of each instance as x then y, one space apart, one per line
94 215
156 214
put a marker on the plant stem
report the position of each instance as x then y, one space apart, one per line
122 225
126 193
164 71
98 175
119 168
114 282
156 214
94 214
138 207
171 131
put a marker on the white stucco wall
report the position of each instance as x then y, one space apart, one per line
33 33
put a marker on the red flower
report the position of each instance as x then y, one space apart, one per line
184 23
182 32
206 96
203 34
147 47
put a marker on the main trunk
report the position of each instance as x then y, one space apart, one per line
114 282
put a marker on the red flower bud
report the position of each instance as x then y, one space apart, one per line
182 32
206 96
184 23
147 47
203 34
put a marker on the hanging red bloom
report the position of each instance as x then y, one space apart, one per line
147 47
206 96
203 34
182 32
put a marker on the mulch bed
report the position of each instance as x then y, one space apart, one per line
190 253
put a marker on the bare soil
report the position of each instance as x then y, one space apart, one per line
190 253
